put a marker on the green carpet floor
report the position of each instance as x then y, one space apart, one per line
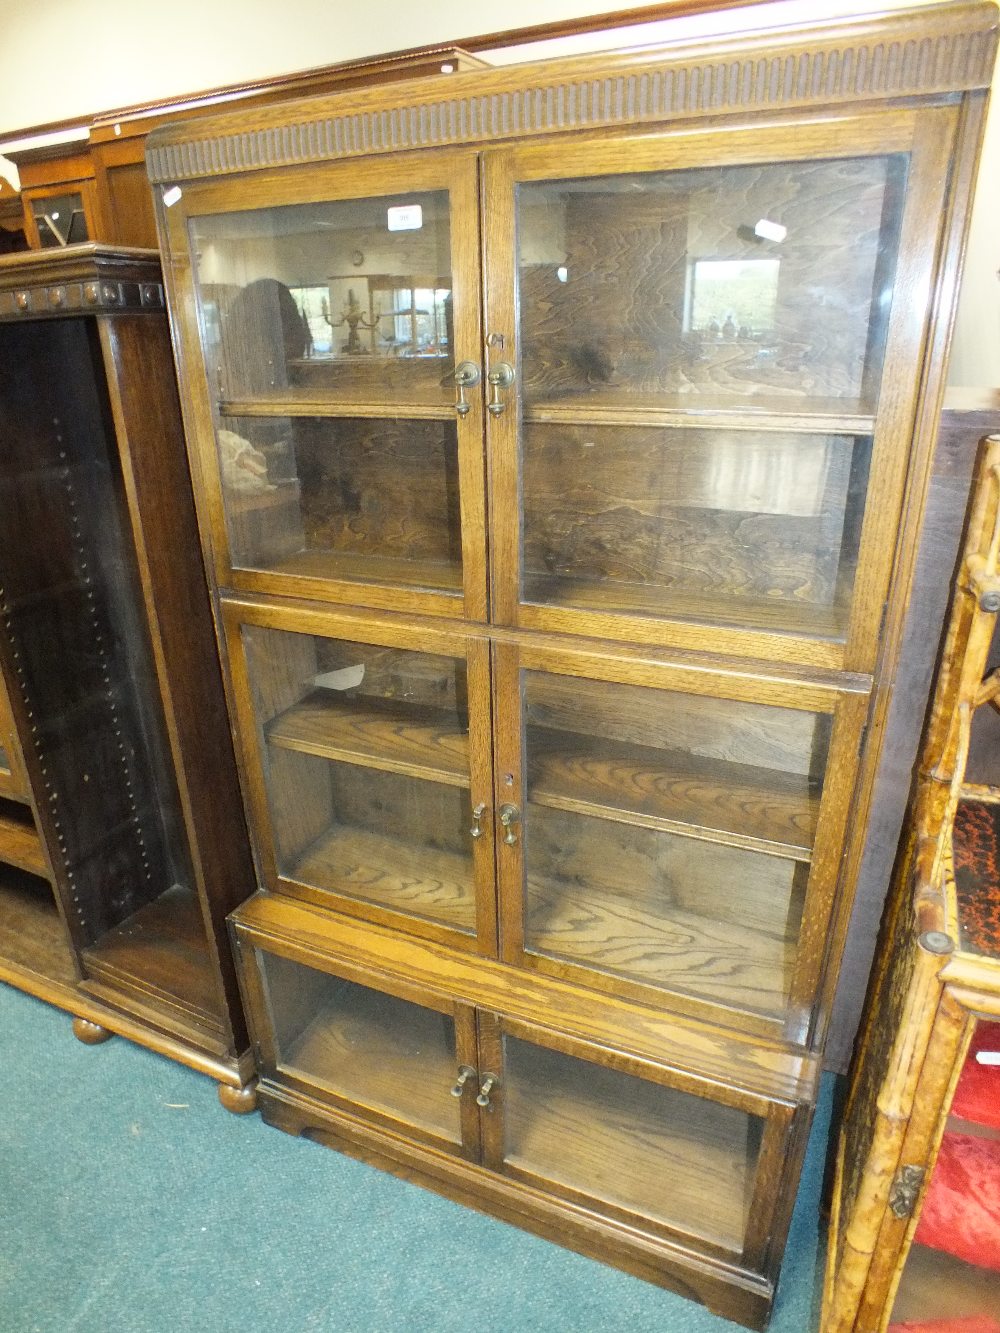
131 1202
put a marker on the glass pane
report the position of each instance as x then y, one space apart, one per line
4 761
668 836
351 298
366 765
371 1048
732 526
679 1160
374 499
952 1273
766 284
60 220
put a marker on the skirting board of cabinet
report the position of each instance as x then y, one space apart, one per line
724 1288
236 1074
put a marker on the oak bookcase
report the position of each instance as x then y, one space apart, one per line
559 440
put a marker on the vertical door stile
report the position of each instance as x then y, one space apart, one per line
510 786
466 284
501 349
467 1059
482 795
491 1066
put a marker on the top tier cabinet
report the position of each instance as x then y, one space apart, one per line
693 348
559 439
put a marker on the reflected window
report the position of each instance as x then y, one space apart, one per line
313 304
733 297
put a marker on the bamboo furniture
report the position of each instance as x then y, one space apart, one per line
559 447
938 981
130 846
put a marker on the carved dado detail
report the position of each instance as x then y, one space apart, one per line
674 88
63 298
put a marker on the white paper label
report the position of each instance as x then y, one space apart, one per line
347 678
988 1057
770 231
171 196
407 217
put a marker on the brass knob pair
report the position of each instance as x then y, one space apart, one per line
509 816
490 1081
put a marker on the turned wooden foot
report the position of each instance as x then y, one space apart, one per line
241 1101
91 1034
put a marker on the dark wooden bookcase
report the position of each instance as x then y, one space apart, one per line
559 442
129 847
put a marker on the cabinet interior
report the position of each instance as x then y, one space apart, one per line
75 631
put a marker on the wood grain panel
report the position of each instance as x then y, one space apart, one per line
372 1048
693 917
642 1147
673 791
415 740
425 881
724 514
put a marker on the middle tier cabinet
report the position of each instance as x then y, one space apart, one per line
559 445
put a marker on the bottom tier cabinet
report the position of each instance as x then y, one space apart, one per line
630 1161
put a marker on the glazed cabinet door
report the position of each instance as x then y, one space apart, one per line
672 833
391 1056
366 751
634 1141
337 422
702 382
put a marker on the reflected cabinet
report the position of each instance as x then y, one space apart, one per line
552 445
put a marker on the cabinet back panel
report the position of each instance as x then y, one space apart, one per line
75 619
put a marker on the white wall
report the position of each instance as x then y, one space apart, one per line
61 59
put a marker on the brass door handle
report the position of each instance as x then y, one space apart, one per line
490 1081
509 816
500 376
466 377
477 820
465 1072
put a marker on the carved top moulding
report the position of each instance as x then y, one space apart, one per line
915 52
80 279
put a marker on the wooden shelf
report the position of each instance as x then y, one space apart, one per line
384 1053
160 955
412 739
32 935
659 944
666 1155
432 575
303 403
673 790
405 877
752 412
20 844
645 599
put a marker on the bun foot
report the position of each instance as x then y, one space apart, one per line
241 1101
91 1034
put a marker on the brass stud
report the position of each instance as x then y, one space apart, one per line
22 300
